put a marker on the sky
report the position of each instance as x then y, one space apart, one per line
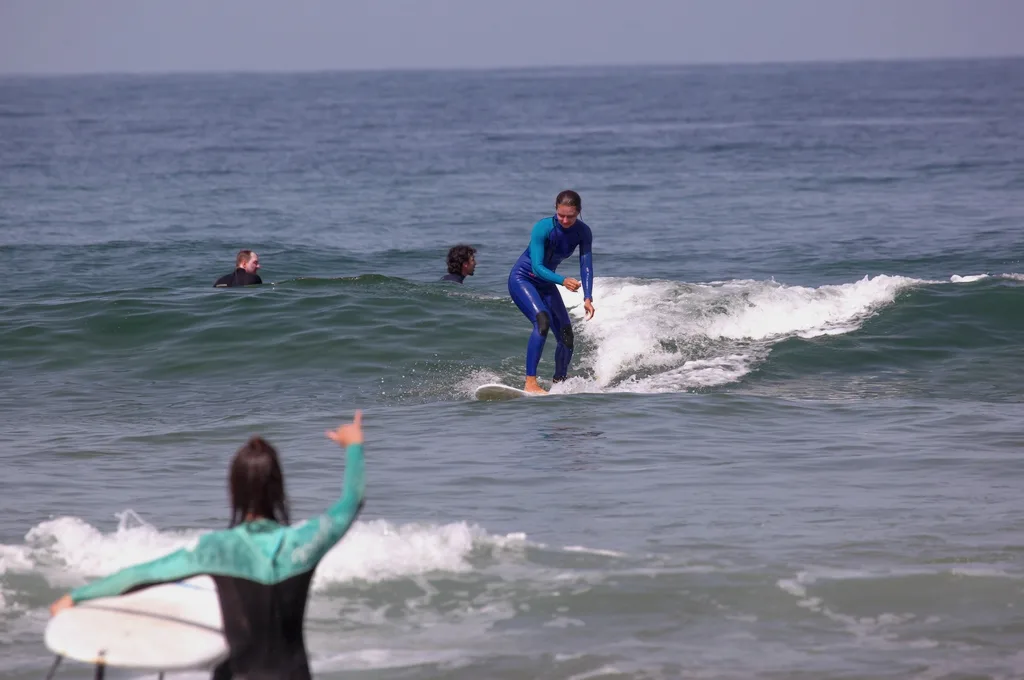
130 36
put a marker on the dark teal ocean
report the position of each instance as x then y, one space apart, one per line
791 446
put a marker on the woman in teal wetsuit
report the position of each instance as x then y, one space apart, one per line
532 283
262 567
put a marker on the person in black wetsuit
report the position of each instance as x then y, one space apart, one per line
262 567
246 264
461 263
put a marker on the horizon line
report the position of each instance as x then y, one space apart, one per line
513 68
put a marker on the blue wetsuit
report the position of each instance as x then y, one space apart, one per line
533 286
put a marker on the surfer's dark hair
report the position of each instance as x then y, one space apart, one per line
569 198
458 256
257 483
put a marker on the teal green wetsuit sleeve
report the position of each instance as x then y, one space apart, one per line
538 236
306 544
266 557
178 565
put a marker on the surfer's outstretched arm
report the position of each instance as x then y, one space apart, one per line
181 564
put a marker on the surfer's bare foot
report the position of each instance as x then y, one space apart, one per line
532 387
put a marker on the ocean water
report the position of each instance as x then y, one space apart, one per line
791 446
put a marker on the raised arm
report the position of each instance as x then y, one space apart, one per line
307 543
537 238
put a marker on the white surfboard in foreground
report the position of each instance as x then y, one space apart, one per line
170 627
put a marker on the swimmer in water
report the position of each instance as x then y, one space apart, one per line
246 264
461 263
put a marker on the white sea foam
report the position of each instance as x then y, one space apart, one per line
659 336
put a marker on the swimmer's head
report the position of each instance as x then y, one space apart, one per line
568 206
462 260
247 260
256 484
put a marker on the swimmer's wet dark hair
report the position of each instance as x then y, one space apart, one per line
256 483
569 198
459 255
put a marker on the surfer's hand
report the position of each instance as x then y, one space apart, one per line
572 284
349 434
60 605
589 306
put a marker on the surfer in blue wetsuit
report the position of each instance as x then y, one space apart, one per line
533 284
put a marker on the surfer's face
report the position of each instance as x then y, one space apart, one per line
469 265
253 264
566 215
